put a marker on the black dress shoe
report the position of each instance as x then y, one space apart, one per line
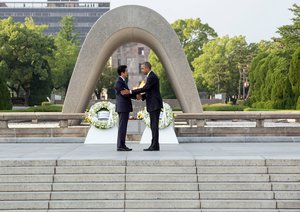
128 149
122 149
151 149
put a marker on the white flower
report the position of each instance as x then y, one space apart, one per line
166 116
92 115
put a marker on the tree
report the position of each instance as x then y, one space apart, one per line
39 89
24 52
107 80
192 34
217 69
269 78
294 76
274 73
65 55
5 103
165 86
290 34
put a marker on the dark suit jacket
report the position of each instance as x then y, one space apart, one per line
152 96
123 103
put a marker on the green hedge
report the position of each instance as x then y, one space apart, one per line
49 108
223 107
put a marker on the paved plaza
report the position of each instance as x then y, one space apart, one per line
186 151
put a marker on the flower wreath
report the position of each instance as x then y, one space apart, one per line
165 119
102 115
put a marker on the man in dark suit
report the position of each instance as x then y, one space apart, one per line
123 107
154 102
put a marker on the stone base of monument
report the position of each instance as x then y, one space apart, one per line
102 136
166 136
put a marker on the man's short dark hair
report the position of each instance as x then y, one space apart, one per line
121 69
147 64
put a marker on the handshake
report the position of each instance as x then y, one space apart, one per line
127 92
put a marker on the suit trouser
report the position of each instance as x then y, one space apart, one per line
154 124
123 120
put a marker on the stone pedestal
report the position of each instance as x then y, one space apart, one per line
102 136
166 136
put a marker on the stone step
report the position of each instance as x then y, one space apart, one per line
27 163
11 187
90 162
85 210
26 210
287 195
162 195
284 169
167 186
94 186
90 170
285 177
161 178
287 186
237 195
89 178
289 204
233 178
86 204
16 196
235 186
163 210
84 195
26 178
232 170
162 204
240 210
238 204
26 170
23 205
283 162
160 170
230 162
157 163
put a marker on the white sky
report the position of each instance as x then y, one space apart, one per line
255 19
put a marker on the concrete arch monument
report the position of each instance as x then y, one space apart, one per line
130 24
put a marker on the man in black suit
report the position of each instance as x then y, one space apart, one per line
123 107
154 102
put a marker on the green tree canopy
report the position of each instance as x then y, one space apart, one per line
23 53
192 34
290 34
65 55
217 69
107 80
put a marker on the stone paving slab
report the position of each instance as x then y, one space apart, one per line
262 152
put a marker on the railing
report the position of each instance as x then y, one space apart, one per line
191 124
35 117
186 124
200 118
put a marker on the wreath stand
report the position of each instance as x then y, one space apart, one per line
98 135
102 136
166 135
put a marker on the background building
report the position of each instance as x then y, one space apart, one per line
50 13
132 55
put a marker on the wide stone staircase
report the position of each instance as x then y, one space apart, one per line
207 185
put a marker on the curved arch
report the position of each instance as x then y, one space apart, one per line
130 24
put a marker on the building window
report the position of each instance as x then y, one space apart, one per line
119 62
140 68
141 51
